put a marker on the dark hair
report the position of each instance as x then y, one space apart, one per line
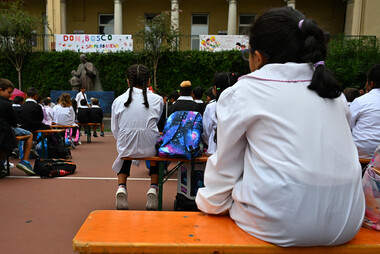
185 91
351 93
5 84
198 92
94 101
374 75
210 94
39 99
280 37
174 95
83 102
138 76
46 101
223 80
31 92
18 100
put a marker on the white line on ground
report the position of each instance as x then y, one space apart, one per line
86 178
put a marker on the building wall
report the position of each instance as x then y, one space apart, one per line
334 16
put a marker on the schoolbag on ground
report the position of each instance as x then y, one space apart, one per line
181 137
56 149
53 167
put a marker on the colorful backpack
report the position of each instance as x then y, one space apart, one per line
181 136
47 168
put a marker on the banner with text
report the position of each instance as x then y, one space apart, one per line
101 43
223 42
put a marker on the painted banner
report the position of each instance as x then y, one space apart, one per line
102 43
222 42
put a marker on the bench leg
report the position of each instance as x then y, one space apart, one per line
160 183
88 134
43 146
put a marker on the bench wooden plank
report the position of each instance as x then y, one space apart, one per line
188 232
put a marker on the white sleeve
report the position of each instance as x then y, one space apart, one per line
225 167
114 120
355 112
207 123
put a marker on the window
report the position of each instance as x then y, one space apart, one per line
199 26
245 21
106 22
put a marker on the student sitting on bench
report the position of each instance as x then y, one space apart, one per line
9 117
286 168
96 115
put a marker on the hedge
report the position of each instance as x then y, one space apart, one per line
348 59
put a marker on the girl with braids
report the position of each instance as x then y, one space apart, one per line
286 168
134 119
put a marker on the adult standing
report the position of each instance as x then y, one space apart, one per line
365 111
81 95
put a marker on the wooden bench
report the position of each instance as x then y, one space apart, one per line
88 128
115 231
46 133
161 178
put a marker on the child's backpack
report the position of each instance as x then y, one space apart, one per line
47 168
182 136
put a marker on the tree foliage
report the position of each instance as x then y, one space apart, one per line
17 28
158 36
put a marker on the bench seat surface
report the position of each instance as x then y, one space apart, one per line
112 231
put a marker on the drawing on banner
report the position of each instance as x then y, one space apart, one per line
215 43
101 43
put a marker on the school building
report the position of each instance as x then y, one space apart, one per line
194 17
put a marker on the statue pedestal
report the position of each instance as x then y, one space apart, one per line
105 98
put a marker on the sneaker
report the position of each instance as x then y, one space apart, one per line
34 153
151 200
122 199
95 135
102 134
11 165
26 167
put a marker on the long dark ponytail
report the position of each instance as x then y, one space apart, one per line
298 40
138 76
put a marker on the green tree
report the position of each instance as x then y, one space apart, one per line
17 28
158 36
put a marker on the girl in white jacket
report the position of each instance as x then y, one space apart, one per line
134 119
286 168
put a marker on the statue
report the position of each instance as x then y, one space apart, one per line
88 75
74 82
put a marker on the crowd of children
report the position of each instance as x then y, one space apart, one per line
283 158
36 113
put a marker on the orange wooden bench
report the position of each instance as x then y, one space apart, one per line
115 231
161 178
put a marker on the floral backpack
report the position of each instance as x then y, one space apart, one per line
182 136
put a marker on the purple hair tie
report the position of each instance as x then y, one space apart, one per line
319 63
300 24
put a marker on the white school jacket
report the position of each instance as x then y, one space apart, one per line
286 167
135 127
64 115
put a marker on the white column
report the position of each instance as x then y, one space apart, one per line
118 17
291 3
232 16
175 14
63 17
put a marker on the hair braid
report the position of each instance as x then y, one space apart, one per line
138 76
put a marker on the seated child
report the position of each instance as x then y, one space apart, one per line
17 102
31 113
8 116
96 116
49 113
83 112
